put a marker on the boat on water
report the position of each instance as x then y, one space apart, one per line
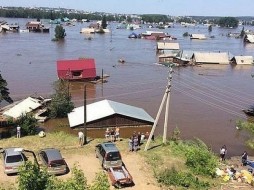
249 111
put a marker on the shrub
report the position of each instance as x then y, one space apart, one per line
31 177
201 160
183 179
28 124
100 182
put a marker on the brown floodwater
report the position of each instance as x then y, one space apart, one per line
205 101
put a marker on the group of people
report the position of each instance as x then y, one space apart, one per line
113 134
136 140
223 152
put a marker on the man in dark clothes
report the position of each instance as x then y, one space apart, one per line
139 138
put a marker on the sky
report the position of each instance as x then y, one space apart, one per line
167 7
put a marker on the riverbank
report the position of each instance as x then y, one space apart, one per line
143 166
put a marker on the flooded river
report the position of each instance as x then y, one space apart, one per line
205 101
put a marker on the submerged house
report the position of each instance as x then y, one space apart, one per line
198 36
107 113
249 38
80 69
36 26
242 60
37 105
210 58
167 51
183 57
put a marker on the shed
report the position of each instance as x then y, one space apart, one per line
167 46
183 57
80 69
198 36
210 58
107 113
242 60
249 38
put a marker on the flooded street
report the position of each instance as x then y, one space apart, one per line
205 101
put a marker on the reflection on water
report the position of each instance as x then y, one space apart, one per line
205 101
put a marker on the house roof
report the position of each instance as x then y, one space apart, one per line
78 64
167 46
27 105
219 58
250 38
105 108
243 60
185 55
198 36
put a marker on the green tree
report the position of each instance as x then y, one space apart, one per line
100 182
28 124
4 91
229 22
31 177
61 103
59 32
210 28
78 181
129 19
104 22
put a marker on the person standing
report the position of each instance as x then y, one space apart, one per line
18 131
107 134
81 138
112 135
117 133
244 158
223 152
130 143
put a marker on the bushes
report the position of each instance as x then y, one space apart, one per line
28 124
183 179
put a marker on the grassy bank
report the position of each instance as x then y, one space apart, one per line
176 165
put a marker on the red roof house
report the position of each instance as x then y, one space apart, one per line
80 69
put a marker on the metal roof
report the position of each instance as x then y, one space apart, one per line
78 64
198 36
211 57
243 60
105 108
167 46
250 38
25 106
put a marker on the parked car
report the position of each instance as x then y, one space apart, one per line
13 158
108 155
52 159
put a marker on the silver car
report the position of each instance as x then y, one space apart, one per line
13 158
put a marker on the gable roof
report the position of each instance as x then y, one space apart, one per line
250 38
197 36
105 108
77 64
167 46
27 105
215 58
243 60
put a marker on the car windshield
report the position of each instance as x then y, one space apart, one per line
113 156
14 158
56 163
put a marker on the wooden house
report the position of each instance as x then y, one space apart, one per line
80 69
107 113
198 36
242 60
210 58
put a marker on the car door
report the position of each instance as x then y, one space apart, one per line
43 157
98 151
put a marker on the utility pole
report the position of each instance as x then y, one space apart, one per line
85 131
166 98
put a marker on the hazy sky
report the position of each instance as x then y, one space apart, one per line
169 7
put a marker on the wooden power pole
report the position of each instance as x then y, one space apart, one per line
166 98
85 131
